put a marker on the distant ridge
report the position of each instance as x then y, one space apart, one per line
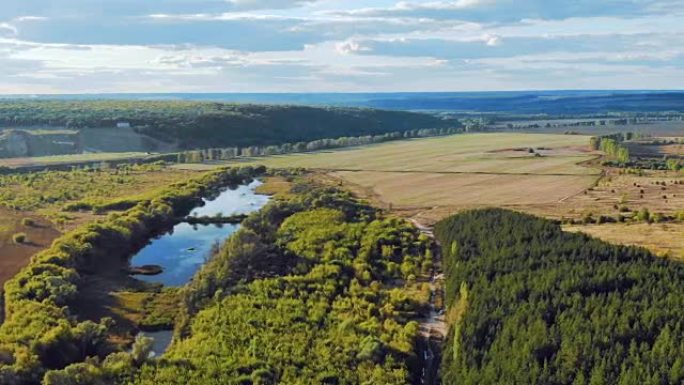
518 102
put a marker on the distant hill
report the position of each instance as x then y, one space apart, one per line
190 124
510 102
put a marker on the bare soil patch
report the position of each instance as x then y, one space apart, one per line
14 256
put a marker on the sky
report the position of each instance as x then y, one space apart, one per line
96 46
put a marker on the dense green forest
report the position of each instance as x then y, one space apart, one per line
530 304
205 124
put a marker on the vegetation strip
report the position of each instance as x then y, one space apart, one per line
40 331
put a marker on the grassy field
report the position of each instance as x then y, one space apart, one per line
14 256
69 159
466 190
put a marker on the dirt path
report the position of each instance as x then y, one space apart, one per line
433 326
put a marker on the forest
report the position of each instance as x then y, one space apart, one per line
205 124
530 304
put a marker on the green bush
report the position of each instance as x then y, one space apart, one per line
20 238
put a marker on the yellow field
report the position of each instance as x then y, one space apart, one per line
471 153
661 238
428 189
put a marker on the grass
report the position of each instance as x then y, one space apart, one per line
14 256
148 310
277 187
52 190
466 190
67 159
661 238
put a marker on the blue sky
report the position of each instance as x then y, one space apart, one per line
77 46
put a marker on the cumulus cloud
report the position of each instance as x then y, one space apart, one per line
492 40
350 47
339 45
8 29
268 4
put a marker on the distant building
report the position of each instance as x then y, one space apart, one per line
123 125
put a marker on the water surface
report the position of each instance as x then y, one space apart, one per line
185 248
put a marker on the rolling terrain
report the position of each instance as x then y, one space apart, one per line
189 125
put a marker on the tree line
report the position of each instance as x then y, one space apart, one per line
612 146
210 154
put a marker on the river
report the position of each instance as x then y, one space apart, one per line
183 250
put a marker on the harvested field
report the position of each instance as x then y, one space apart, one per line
471 153
467 190
662 238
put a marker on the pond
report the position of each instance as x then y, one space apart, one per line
160 341
185 248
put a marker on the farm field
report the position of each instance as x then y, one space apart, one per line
466 190
664 128
471 153
430 179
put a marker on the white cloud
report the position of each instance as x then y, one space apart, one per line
443 5
268 4
8 29
492 40
350 47
340 45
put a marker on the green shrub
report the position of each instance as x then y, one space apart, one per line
28 222
20 238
